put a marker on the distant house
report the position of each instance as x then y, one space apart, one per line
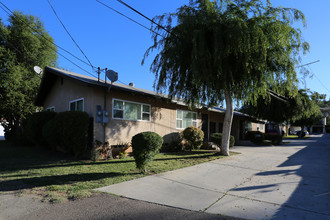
120 111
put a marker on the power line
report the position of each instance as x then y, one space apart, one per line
76 64
307 64
136 11
318 79
46 45
130 19
40 34
70 34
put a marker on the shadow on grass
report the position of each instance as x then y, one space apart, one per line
29 183
18 158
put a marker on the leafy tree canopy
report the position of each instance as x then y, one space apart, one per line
225 49
24 43
309 112
300 109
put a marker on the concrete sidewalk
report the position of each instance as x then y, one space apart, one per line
274 182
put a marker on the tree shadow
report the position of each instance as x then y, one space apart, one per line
313 192
29 183
311 198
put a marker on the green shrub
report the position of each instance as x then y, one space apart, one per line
194 137
174 142
275 138
34 125
255 136
72 132
217 139
145 146
49 133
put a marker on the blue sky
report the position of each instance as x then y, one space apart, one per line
112 41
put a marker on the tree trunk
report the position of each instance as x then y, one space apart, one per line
227 124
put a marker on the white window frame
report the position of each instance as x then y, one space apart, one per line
138 103
76 100
50 108
181 119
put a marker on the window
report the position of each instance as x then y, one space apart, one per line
248 126
130 110
50 109
260 127
185 119
77 105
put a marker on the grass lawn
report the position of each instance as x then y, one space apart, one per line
56 178
294 137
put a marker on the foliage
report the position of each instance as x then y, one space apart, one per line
34 126
300 109
217 139
255 136
174 142
307 111
226 49
21 48
49 133
276 108
72 131
145 146
101 151
194 138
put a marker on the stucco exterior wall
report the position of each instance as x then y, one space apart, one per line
162 119
64 91
118 131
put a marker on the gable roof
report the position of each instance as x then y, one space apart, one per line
51 74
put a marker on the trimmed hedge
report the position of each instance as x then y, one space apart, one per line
217 139
71 129
145 146
49 133
34 126
194 137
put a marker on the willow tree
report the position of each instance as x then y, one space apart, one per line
225 50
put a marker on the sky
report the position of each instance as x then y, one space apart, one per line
112 41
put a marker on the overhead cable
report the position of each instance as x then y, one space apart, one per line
46 45
40 34
136 11
130 18
70 34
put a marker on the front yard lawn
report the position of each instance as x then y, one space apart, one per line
56 178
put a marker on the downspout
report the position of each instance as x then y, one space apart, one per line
105 104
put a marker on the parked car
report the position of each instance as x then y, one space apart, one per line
305 132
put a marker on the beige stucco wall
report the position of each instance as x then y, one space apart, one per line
163 119
65 91
163 114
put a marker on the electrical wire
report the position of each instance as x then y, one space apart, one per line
40 34
46 45
318 79
136 11
70 34
129 18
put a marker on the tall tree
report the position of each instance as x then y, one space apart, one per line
301 109
308 111
224 50
24 43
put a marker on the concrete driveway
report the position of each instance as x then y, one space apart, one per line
291 181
